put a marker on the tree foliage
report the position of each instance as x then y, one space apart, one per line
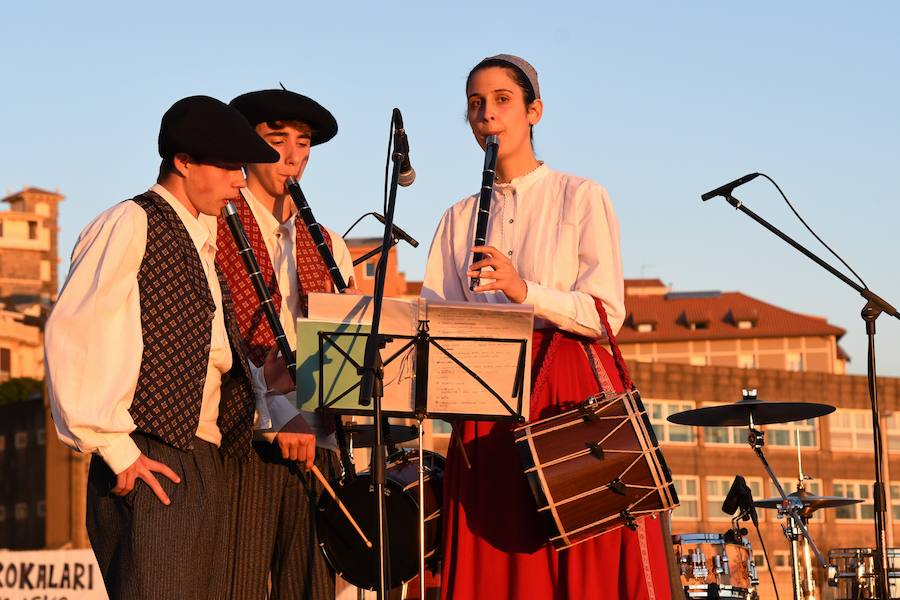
19 389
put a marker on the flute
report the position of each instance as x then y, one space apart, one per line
259 284
491 149
315 231
268 305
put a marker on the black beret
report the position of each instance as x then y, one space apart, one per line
283 105
211 131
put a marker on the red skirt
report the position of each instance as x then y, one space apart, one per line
493 545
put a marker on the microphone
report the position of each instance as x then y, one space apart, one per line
733 498
398 233
407 173
740 496
726 189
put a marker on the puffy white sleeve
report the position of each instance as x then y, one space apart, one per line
442 278
599 270
93 342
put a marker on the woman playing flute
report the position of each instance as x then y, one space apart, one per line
553 243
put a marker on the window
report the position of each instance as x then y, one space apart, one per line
735 436
371 267
785 434
745 324
5 361
21 511
855 512
645 327
716 490
746 361
42 509
21 440
895 501
658 410
32 230
687 486
782 560
759 559
851 430
891 427
794 361
41 437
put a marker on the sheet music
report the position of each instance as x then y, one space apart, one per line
398 316
338 374
451 390
348 313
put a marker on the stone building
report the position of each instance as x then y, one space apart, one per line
727 329
29 248
28 287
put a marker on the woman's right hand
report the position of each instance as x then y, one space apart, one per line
506 278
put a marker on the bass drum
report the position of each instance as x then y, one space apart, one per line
344 549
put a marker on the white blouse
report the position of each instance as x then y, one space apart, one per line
93 344
562 236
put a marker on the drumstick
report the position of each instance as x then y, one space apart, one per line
462 449
315 471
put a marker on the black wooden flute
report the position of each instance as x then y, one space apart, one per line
491 149
259 284
315 231
265 300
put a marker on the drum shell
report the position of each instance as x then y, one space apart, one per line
740 578
570 479
344 549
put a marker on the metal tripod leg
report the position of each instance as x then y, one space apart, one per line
421 516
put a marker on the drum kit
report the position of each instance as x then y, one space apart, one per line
710 565
722 566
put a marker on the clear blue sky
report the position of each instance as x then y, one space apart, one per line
657 101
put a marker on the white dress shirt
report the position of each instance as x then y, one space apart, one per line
93 342
562 236
275 410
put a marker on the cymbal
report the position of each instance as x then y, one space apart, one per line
363 436
810 501
738 414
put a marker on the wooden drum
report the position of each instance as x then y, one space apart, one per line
595 468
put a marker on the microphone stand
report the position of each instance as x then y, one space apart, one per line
374 252
372 382
875 305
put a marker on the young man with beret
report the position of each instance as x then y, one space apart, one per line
146 368
273 495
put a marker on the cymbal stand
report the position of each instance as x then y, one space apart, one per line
794 527
801 563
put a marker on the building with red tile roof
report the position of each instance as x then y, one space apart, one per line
729 329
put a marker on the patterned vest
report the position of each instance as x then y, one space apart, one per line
177 310
312 276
